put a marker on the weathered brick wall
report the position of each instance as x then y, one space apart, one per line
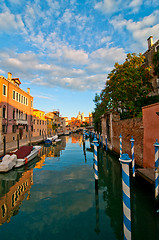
128 128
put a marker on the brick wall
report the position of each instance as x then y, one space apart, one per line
127 128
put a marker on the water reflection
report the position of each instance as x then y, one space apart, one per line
63 202
13 193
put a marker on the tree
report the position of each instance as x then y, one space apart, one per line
127 84
98 111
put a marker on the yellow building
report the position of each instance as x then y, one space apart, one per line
39 123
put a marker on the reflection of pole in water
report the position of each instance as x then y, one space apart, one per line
125 161
97 210
84 151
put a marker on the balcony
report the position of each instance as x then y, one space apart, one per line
21 121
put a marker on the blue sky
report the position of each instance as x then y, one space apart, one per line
63 50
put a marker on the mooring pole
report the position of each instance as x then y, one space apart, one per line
120 145
132 153
4 145
156 168
96 161
18 141
125 161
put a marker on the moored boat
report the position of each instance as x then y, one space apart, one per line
19 158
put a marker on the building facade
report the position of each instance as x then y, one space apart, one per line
152 48
16 110
39 123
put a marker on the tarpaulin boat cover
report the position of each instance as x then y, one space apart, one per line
23 151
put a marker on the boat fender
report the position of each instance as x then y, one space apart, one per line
26 160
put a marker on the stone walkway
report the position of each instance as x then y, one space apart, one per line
23 142
147 173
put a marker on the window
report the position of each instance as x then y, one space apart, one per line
37 121
4 90
31 103
4 111
19 97
40 122
26 101
26 116
4 128
13 113
14 128
16 96
22 99
13 95
34 121
26 128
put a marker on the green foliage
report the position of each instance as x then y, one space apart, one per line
126 84
98 111
156 63
126 91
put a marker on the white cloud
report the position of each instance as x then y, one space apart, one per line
10 22
109 6
140 30
109 56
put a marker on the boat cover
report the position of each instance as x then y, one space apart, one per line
23 151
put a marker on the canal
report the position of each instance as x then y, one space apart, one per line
54 197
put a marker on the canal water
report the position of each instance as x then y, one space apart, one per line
54 197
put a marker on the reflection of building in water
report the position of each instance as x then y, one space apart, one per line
9 203
77 138
40 163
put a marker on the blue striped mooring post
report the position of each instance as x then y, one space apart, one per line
120 145
125 161
156 168
95 141
106 143
132 153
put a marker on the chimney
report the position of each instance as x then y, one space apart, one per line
9 76
150 42
28 91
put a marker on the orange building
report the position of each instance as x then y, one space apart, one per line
39 123
16 109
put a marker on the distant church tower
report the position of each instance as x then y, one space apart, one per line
82 117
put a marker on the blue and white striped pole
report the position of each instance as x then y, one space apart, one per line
156 168
106 143
125 161
95 141
120 145
132 153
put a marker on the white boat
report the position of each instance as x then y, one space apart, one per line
25 158
19 158
8 162
54 138
57 140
